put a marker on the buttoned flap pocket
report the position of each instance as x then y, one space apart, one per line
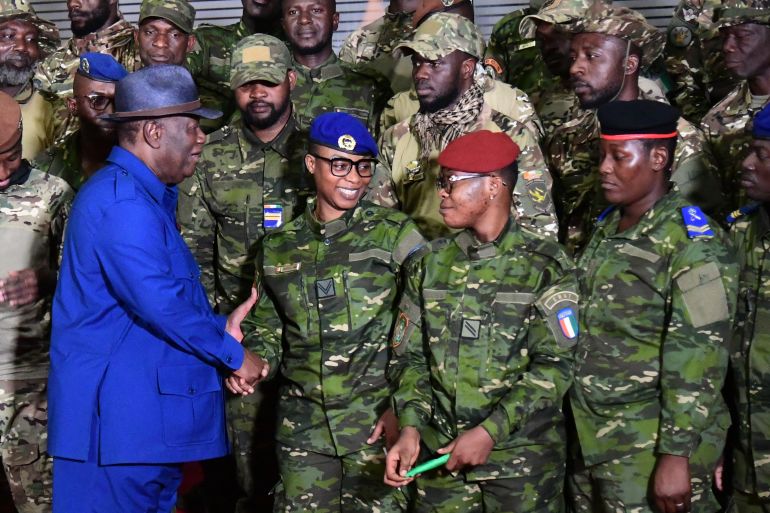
509 317
20 455
286 286
641 278
370 284
183 265
703 294
190 399
237 205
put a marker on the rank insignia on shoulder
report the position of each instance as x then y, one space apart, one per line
741 212
696 222
414 171
568 322
607 211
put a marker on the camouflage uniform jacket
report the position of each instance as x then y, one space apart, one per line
728 131
572 151
372 46
655 314
478 343
63 160
750 354
556 107
335 86
403 182
33 212
241 189
55 75
209 64
37 116
328 296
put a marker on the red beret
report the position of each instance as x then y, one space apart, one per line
480 152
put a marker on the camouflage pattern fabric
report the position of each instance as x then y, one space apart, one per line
727 127
34 213
572 151
209 64
335 86
48 34
656 306
241 189
179 12
371 47
23 443
556 107
750 355
478 343
55 75
63 160
737 12
694 59
37 116
406 183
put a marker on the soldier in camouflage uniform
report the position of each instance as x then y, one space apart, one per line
750 354
452 104
328 282
694 60
483 345
249 181
83 152
628 44
745 27
165 33
209 61
101 29
324 83
26 39
34 210
657 294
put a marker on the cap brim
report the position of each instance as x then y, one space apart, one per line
427 50
244 78
118 117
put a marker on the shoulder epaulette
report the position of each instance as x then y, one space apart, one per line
744 211
125 188
607 211
219 134
696 222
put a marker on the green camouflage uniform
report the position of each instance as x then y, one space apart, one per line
372 47
557 107
478 343
335 86
209 64
749 357
694 59
656 305
325 312
34 211
63 160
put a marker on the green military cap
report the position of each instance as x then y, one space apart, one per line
738 12
259 57
626 24
179 12
48 34
556 12
442 33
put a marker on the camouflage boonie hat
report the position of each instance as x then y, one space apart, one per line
556 12
626 24
178 12
48 34
738 12
259 57
443 33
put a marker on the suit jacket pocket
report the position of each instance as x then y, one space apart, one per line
191 401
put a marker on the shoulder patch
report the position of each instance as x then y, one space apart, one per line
696 223
492 64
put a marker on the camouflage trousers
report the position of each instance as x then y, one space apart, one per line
319 483
741 502
23 442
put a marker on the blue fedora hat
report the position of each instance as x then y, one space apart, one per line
158 91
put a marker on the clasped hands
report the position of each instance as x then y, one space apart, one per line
254 368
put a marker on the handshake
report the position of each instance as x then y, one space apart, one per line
254 368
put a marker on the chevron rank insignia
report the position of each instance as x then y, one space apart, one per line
470 329
696 223
325 288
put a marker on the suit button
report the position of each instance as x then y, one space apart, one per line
191 390
327 241
229 359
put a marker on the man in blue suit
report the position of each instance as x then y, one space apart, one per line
137 355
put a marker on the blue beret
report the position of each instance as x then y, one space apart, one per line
101 67
343 132
762 124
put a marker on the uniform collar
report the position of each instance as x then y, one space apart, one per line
646 223
330 68
332 228
117 34
25 94
281 142
477 250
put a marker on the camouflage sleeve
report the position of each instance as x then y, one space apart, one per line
388 116
551 348
382 94
382 190
408 369
61 204
348 51
695 349
695 171
199 56
198 228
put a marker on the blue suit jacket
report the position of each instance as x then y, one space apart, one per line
135 346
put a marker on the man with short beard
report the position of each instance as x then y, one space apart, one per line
611 46
25 39
84 151
97 26
165 34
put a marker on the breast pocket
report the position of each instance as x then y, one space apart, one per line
370 286
237 205
509 321
189 396
286 285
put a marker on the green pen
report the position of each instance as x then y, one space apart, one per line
428 465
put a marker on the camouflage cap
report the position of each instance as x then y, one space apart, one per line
179 12
429 7
626 24
738 12
259 57
48 36
443 33
556 12
10 122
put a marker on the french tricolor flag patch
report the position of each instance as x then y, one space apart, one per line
568 322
